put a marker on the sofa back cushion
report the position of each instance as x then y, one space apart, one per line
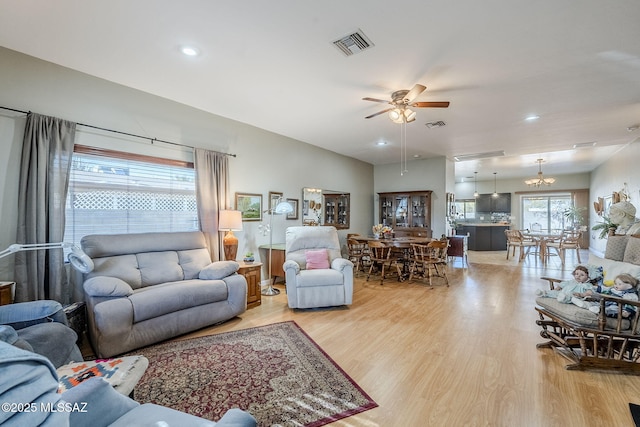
147 259
632 251
616 246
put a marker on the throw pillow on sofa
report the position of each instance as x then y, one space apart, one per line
219 270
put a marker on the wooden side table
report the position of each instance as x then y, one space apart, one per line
7 290
251 272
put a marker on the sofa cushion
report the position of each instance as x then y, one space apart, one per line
632 251
159 267
155 301
317 259
105 286
323 277
576 314
218 270
616 246
611 269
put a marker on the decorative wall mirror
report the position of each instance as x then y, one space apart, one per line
325 207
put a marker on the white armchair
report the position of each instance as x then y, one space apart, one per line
309 282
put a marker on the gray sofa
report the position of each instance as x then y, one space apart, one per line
149 287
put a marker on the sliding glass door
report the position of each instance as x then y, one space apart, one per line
545 213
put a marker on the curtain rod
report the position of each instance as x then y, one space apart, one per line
123 133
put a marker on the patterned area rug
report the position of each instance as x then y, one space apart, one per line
276 372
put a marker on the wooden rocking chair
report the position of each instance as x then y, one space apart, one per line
589 340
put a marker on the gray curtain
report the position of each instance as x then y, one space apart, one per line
44 179
212 194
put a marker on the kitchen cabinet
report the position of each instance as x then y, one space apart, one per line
485 237
486 203
408 213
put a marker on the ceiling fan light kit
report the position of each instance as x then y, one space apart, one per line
540 180
400 102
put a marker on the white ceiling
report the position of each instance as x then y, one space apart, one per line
272 64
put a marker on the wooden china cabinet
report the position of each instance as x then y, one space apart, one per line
408 213
336 210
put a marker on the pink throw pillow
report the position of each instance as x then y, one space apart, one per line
317 259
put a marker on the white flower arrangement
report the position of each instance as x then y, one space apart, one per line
381 229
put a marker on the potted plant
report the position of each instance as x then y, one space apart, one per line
248 257
574 216
606 227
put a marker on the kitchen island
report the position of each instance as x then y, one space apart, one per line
485 236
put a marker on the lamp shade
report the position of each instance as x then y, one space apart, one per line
230 220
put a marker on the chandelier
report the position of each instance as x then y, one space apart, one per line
540 179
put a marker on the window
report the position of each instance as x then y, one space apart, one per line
466 209
545 213
113 192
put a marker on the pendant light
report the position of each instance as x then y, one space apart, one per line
475 186
495 192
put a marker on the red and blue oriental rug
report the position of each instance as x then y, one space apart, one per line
276 372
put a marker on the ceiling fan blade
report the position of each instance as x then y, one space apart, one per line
416 90
444 104
375 100
378 113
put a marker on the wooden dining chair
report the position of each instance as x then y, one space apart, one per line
429 258
516 239
569 239
382 258
358 253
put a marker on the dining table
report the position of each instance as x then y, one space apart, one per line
543 238
403 244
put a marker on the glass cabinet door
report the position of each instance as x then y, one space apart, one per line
402 211
418 213
386 211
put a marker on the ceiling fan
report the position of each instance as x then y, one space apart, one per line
401 100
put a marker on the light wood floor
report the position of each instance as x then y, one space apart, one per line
459 356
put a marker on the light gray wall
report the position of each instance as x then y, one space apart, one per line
611 176
265 161
425 174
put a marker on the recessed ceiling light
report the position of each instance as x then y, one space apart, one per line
381 143
532 118
416 156
190 50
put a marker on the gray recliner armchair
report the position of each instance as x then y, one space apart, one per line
28 392
316 273
40 327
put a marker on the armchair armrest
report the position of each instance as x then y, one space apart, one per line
105 286
102 404
551 281
23 314
341 263
291 266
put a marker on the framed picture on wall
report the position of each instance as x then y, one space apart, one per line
294 205
274 198
250 205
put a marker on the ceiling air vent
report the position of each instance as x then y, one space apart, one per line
353 43
465 157
437 124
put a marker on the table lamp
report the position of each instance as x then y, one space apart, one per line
230 221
